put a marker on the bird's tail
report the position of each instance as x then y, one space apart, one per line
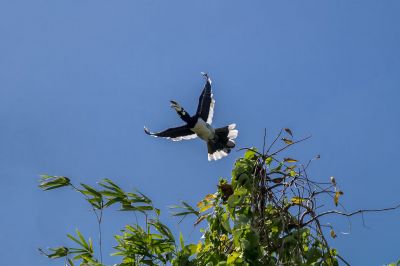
223 142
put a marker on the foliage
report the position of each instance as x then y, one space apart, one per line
266 214
394 263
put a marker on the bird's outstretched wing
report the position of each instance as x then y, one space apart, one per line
175 134
205 109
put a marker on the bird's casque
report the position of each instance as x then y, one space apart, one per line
219 141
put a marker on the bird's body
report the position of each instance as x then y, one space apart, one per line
220 141
203 130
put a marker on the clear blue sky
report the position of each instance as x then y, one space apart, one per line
79 79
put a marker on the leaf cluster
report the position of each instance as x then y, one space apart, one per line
267 213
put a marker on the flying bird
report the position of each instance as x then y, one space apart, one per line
219 141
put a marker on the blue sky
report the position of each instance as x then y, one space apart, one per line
79 79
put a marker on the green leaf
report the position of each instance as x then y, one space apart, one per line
233 258
225 222
275 229
112 201
192 248
297 200
82 242
75 240
163 229
107 183
48 182
250 153
287 141
144 197
293 173
234 200
278 168
90 191
181 241
186 209
56 253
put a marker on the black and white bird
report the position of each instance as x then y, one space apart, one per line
220 141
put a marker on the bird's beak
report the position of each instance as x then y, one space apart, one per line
173 103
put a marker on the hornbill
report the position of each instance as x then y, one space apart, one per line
219 141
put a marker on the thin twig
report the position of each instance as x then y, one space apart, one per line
351 213
265 138
99 227
342 259
287 146
98 218
272 144
250 149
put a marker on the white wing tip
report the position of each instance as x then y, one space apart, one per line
233 133
232 126
206 76
146 130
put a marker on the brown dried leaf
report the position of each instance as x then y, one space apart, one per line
290 168
289 131
333 234
201 218
226 190
277 180
289 160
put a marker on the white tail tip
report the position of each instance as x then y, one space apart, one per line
217 155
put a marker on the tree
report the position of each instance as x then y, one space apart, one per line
268 213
